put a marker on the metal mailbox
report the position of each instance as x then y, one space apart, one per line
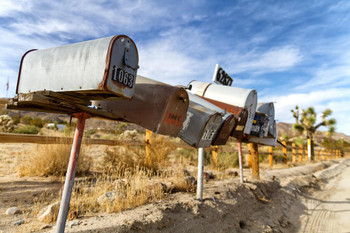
227 124
96 69
269 110
240 115
156 106
201 124
260 125
263 141
244 98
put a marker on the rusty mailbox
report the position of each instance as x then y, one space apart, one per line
234 96
96 69
201 124
156 106
228 119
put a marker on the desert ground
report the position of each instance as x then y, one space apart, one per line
307 198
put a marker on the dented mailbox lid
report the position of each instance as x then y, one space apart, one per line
245 98
200 125
95 69
156 106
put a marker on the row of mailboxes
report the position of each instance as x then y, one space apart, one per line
96 69
104 71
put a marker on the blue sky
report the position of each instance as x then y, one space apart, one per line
291 52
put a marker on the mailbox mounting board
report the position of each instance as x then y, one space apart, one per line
96 69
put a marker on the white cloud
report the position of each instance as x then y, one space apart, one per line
272 60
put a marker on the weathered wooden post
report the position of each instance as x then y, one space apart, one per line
214 153
300 153
284 149
309 150
270 156
148 146
253 151
294 157
323 157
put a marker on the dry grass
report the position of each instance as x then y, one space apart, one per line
127 158
51 160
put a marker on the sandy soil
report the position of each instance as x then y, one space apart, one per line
308 198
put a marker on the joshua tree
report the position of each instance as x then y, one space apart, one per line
305 123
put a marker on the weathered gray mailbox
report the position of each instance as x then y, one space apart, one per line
201 124
156 106
244 98
96 69
227 124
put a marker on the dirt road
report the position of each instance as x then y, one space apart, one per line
328 210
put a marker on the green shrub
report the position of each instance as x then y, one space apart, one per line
228 159
26 120
38 122
27 129
15 120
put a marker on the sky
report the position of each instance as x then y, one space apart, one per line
291 52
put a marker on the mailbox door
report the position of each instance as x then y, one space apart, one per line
96 69
260 125
269 110
197 129
156 106
225 130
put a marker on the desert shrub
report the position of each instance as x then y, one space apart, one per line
228 159
68 131
15 119
88 133
6 124
38 122
52 160
120 128
27 129
188 153
130 157
26 120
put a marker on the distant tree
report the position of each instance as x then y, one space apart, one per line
305 122
26 120
38 122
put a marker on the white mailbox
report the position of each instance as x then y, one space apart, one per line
245 98
201 123
156 106
96 69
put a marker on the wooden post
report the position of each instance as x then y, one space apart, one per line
323 157
253 151
300 153
249 160
284 149
214 154
270 156
294 154
148 146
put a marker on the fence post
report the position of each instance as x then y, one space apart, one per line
214 154
322 154
148 146
300 153
294 155
284 149
253 151
270 156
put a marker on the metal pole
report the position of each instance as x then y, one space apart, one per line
240 160
200 174
70 175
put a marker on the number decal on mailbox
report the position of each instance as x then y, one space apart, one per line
173 119
123 77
